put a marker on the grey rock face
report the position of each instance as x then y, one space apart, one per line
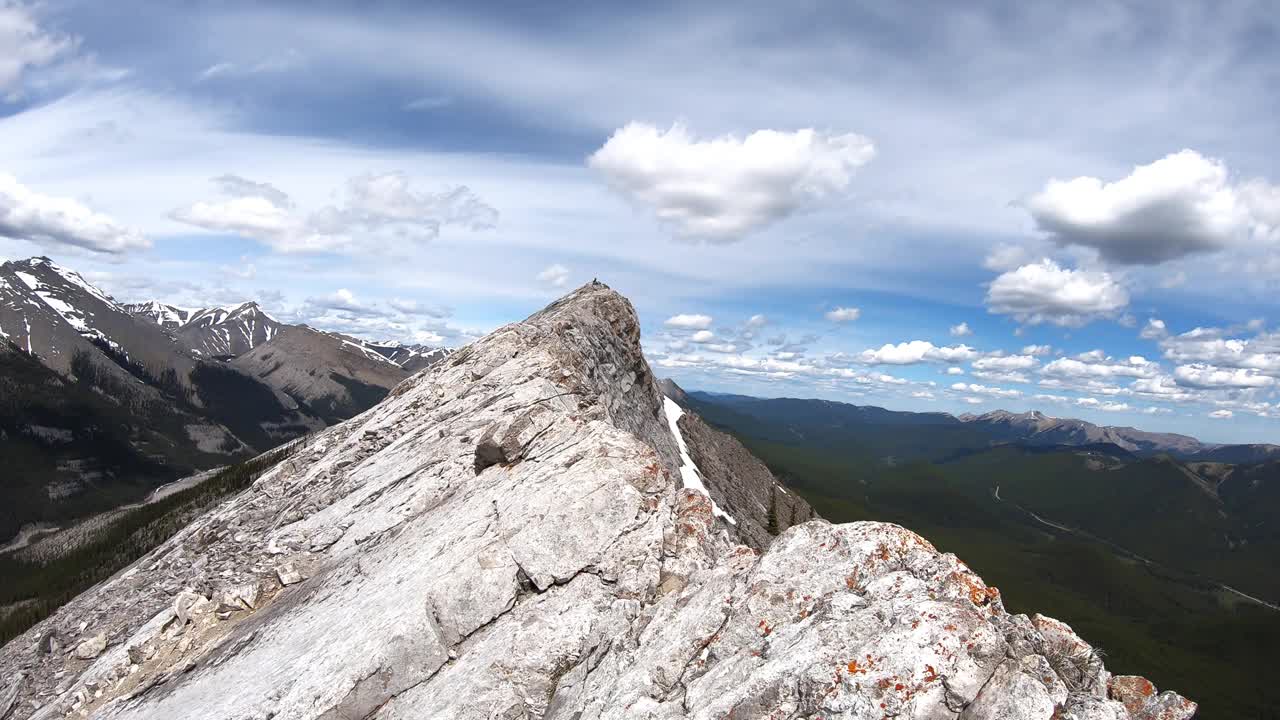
508 536
741 484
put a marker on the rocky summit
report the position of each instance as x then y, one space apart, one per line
524 531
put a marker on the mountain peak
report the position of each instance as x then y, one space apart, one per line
527 530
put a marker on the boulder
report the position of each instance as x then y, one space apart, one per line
92 647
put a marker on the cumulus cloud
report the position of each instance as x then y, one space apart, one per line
403 320
1047 293
1004 368
955 371
721 189
757 321
689 321
916 351
1103 405
1181 204
555 275
961 330
1212 346
25 46
1154 330
1094 365
55 221
843 314
1037 350
976 389
1200 375
703 336
377 210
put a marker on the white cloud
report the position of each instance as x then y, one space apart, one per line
1037 350
1104 405
1094 365
1005 363
955 371
1181 204
724 188
961 330
555 275
378 211
756 321
916 351
689 322
1200 375
1208 345
1222 414
985 390
703 336
843 314
1047 293
1154 330
52 221
24 46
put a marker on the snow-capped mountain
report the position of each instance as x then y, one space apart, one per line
54 313
228 331
410 357
166 316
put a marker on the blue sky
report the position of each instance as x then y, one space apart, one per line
1002 205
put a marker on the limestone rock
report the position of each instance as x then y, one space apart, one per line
92 647
288 574
1132 690
508 535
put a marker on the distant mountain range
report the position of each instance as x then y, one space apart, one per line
104 399
937 432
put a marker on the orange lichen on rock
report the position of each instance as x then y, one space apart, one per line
1131 690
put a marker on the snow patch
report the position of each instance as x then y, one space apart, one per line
689 474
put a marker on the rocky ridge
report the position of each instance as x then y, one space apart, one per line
512 534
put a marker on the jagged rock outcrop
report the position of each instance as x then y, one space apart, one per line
510 535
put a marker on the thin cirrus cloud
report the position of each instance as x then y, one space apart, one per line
377 209
25 46
1182 204
555 275
1045 292
843 314
724 188
61 222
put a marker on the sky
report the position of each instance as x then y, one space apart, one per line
919 205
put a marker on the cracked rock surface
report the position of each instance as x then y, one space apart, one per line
506 536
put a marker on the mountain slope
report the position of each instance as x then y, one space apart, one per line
334 377
1036 428
507 536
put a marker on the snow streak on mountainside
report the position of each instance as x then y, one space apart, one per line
228 331
169 317
506 536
